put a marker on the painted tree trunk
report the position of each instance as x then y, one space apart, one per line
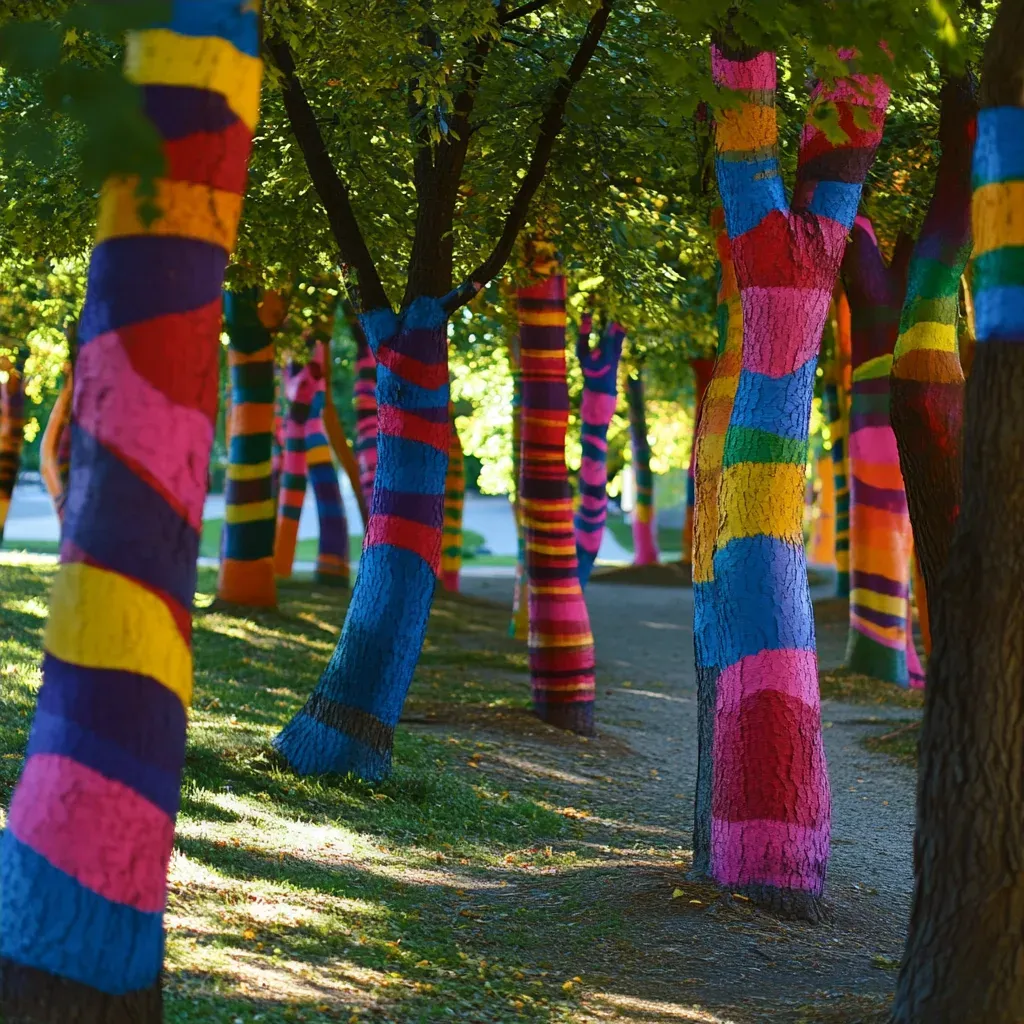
767 820
927 382
880 536
454 501
710 448
55 447
600 367
348 723
702 370
837 396
246 574
561 648
365 399
299 387
339 442
277 458
645 546
963 956
519 626
85 854
12 432
823 537
332 548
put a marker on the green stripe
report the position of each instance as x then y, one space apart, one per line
934 279
932 311
998 268
747 444
292 482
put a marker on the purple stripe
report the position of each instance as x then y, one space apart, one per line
532 303
428 345
542 339
431 413
878 497
155 276
540 395
427 509
877 617
121 523
872 581
178 111
860 420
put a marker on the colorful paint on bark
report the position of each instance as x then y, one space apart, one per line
519 626
337 437
91 823
823 533
12 431
645 546
299 387
702 370
277 458
561 648
766 818
348 722
837 400
365 401
332 547
55 447
880 536
246 574
454 500
600 367
927 380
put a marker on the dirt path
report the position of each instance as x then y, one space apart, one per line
701 955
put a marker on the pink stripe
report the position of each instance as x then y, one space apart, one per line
592 503
127 414
874 444
783 327
593 471
597 407
97 830
791 672
761 852
758 73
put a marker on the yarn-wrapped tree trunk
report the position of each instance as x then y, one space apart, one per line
927 380
880 642
702 370
83 867
365 401
332 547
348 723
763 805
12 430
561 648
600 367
645 546
963 956
299 387
246 574
454 502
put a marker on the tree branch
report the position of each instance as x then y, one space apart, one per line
328 184
521 11
551 126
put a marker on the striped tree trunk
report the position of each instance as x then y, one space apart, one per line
645 544
299 387
365 400
768 816
702 370
348 722
561 648
880 642
246 574
837 400
12 431
454 502
600 367
84 858
332 548
519 626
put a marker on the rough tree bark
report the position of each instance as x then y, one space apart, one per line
702 370
764 825
454 501
12 431
966 942
246 574
84 857
561 648
880 641
600 367
927 380
645 544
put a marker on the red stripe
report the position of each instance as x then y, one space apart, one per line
427 375
424 541
217 159
400 423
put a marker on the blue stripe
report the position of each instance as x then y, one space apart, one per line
396 391
999 313
999 149
50 922
747 197
837 200
779 405
226 19
314 748
410 466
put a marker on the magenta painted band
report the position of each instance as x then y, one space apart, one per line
762 852
782 326
794 673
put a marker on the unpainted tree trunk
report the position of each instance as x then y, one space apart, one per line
84 858
600 367
702 370
12 431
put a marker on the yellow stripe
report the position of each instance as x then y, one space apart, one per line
571 589
250 512
318 456
542 318
187 210
880 366
928 335
161 57
762 498
256 471
997 216
553 549
552 640
100 619
879 602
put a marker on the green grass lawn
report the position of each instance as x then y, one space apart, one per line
322 900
